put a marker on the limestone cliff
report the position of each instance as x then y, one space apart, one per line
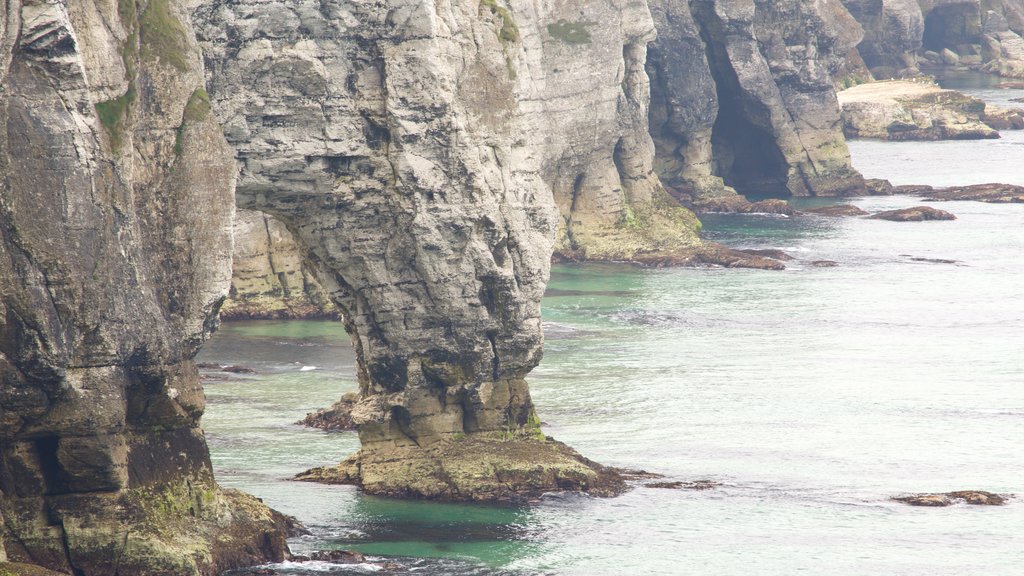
901 36
270 279
742 97
115 211
408 146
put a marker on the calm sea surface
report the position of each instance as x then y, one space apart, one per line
813 395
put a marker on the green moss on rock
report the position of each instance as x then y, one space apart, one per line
477 467
571 32
508 32
196 110
163 36
112 114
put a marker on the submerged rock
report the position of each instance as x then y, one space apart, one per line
975 497
740 205
913 189
913 214
718 255
772 253
912 110
991 193
837 210
824 263
681 485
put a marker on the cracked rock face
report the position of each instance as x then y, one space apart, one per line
743 93
406 147
269 278
985 35
115 210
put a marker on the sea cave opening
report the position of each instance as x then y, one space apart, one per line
953 26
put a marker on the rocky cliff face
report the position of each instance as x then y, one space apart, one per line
115 211
270 278
902 35
415 149
408 147
742 97
428 158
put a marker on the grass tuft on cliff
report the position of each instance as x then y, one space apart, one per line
508 32
163 36
571 32
112 114
196 110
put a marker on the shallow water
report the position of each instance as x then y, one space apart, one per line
812 394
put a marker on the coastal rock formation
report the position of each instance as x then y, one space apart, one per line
991 193
975 497
742 97
415 153
902 36
336 417
269 276
115 210
913 214
837 210
893 31
911 110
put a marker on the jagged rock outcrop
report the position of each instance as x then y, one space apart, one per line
115 209
742 92
893 32
270 279
908 110
414 150
903 35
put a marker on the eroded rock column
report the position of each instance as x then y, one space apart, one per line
390 140
115 211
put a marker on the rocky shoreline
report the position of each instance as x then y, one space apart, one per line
901 110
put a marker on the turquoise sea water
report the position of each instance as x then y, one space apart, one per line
812 394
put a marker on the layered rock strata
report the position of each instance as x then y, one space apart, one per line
901 36
742 98
270 279
912 110
415 151
115 211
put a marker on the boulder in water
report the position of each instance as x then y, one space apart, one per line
838 210
913 214
975 497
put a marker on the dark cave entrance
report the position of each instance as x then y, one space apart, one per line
953 26
746 154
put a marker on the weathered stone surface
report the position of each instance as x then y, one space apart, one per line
913 214
337 416
900 35
893 32
115 209
912 110
479 467
773 253
975 497
425 145
837 210
740 205
992 193
742 92
269 278
1003 118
